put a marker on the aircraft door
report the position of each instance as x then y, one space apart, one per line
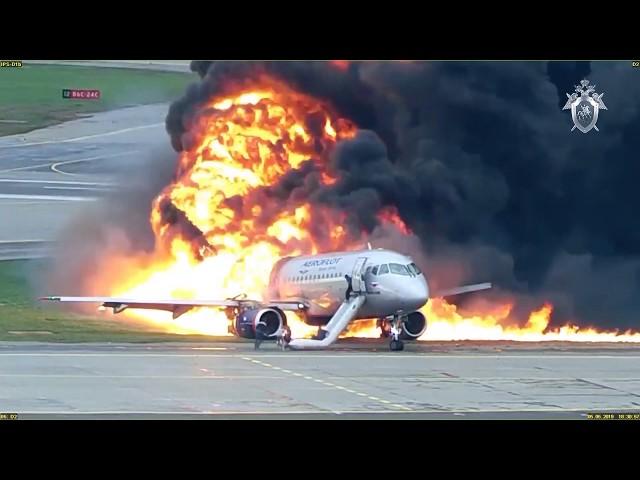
370 279
357 275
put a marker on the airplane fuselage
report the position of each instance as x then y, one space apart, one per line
391 282
329 290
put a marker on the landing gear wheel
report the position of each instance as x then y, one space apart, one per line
260 336
284 338
396 345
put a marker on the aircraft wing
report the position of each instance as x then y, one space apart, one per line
463 289
178 307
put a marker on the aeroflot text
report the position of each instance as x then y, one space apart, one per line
319 263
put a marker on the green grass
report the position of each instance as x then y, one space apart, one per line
33 93
24 318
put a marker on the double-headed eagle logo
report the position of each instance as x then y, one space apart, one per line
585 104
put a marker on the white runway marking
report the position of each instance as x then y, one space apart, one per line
154 377
330 385
45 197
461 356
23 241
92 189
57 182
26 167
86 137
55 166
316 412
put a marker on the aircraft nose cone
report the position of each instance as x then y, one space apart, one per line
417 294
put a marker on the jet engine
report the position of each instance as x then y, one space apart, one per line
414 326
268 321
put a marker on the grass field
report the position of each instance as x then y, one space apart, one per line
23 318
31 96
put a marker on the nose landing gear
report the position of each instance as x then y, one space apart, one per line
396 345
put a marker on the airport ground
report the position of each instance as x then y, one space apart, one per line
95 369
31 96
355 379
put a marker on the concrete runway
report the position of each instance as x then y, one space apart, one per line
48 175
357 379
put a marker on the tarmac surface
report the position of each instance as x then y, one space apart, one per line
228 379
47 176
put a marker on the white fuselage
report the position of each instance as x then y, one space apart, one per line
391 282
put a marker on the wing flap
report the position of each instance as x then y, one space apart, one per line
146 303
178 307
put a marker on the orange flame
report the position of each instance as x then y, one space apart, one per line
218 232
389 215
444 322
341 64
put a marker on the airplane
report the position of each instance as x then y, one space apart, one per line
327 290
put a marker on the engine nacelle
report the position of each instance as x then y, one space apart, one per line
414 326
270 320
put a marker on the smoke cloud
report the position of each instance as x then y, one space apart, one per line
479 160
119 224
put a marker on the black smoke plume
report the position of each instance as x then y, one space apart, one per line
480 162
479 159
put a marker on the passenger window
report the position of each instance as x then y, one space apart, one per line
375 270
383 269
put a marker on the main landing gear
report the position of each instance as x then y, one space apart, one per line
260 335
284 337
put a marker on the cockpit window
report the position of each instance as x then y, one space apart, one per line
413 268
375 270
398 269
383 269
